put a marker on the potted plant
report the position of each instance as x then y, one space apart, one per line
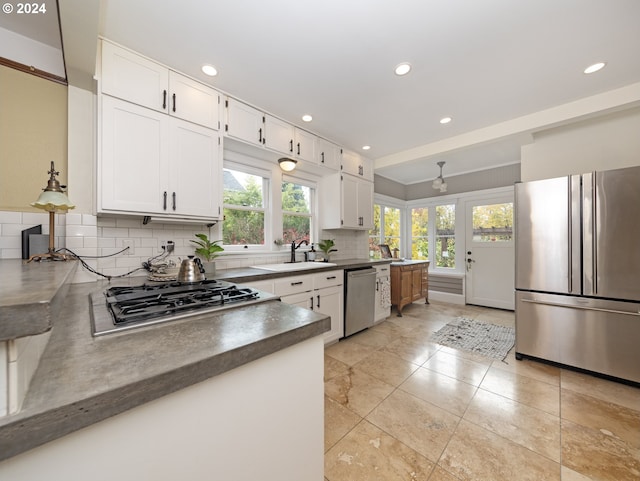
207 250
327 246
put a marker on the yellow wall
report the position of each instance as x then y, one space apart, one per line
33 132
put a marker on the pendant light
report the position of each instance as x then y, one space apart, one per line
439 182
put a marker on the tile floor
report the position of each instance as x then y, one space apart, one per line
398 407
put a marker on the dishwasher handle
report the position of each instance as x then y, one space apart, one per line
361 273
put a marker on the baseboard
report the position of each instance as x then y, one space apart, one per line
446 297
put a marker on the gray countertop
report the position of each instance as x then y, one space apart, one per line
251 274
31 295
82 380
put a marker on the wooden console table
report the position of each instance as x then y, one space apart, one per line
409 282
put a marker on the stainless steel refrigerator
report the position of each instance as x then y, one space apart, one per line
578 271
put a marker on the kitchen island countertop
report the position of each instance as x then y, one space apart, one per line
82 380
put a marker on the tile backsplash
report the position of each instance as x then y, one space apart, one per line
96 237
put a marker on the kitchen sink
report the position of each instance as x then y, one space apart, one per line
294 266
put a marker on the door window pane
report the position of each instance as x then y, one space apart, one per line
493 223
392 227
419 233
445 236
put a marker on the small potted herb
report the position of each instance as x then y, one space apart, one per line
207 250
327 246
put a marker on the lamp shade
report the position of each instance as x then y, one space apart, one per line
287 164
53 201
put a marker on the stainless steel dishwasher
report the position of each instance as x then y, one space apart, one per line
359 299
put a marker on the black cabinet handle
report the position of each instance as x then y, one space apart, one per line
174 200
174 102
291 146
260 135
311 299
331 277
164 99
164 201
298 148
322 155
318 305
296 283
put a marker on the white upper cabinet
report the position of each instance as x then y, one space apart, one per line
304 147
346 202
278 135
243 122
152 164
328 154
136 79
354 164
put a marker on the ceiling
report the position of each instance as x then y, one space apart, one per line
501 69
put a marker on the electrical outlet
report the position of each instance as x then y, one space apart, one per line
131 247
168 246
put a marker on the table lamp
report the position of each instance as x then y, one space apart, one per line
53 199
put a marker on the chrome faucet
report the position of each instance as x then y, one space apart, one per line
294 247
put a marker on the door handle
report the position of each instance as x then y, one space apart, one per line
469 262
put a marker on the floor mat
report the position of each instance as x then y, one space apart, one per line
489 340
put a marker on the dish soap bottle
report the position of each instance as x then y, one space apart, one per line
312 254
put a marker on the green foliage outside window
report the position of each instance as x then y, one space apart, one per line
243 225
296 208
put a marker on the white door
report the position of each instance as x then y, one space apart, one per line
193 101
244 122
490 253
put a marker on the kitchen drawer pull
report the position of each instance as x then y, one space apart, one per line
164 99
297 283
174 200
583 308
164 201
174 102
311 299
331 277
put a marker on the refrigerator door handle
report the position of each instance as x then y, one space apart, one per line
575 239
584 308
589 242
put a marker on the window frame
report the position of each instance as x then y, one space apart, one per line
266 209
313 203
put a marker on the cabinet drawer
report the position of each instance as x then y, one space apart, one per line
293 285
328 279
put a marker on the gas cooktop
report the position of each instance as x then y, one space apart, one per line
127 307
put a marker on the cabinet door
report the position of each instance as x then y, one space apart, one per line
305 146
243 122
194 170
351 163
416 283
136 79
328 301
350 216
193 101
133 164
365 204
279 136
302 299
381 311
328 154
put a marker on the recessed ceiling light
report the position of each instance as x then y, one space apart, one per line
307 118
445 120
210 70
595 67
366 147
403 68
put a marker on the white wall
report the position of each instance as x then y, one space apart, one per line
604 143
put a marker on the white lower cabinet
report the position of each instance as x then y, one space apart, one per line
321 292
152 163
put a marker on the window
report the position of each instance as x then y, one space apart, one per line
446 236
420 233
493 223
296 212
244 208
386 228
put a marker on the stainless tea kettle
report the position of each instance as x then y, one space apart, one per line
191 270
